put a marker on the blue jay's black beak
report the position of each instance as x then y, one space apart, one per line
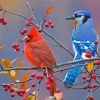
70 18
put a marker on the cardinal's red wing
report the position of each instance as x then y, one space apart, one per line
41 51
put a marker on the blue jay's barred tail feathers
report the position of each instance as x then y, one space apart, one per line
73 73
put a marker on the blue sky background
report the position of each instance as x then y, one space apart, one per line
62 31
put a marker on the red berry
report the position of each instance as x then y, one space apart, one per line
58 90
96 42
52 26
12 95
21 94
33 85
28 23
40 30
6 87
90 98
49 22
97 62
1 19
88 54
11 90
46 25
94 85
4 22
41 77
33 75
18 92
24 31
17 49
84 77
22 91
38 77
94 75
15 46
48 86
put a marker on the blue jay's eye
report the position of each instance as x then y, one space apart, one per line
78 15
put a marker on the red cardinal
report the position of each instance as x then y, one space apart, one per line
39 53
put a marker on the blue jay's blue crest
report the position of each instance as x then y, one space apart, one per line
83 12
83 37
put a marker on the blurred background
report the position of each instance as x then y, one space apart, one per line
62 31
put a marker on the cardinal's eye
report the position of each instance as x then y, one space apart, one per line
30 36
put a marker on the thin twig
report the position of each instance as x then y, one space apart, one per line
31 11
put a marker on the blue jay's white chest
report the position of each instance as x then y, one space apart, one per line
79 20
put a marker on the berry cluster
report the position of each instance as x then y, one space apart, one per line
16 47
49 24
13 90
36 76
3 21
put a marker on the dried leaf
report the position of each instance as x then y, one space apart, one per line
12 74
2 47
49 10
90 67
6 63
24 78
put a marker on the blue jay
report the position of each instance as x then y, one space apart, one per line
83 39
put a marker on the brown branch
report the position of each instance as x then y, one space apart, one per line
78 61
57 66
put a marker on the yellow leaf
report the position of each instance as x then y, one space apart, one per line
49 10
2 47
6 63
25 77
12 74
90 67
34 96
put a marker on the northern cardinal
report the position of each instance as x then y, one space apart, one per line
40 54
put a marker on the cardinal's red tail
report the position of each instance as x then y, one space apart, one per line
51 81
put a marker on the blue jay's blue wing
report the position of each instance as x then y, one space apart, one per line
80 48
